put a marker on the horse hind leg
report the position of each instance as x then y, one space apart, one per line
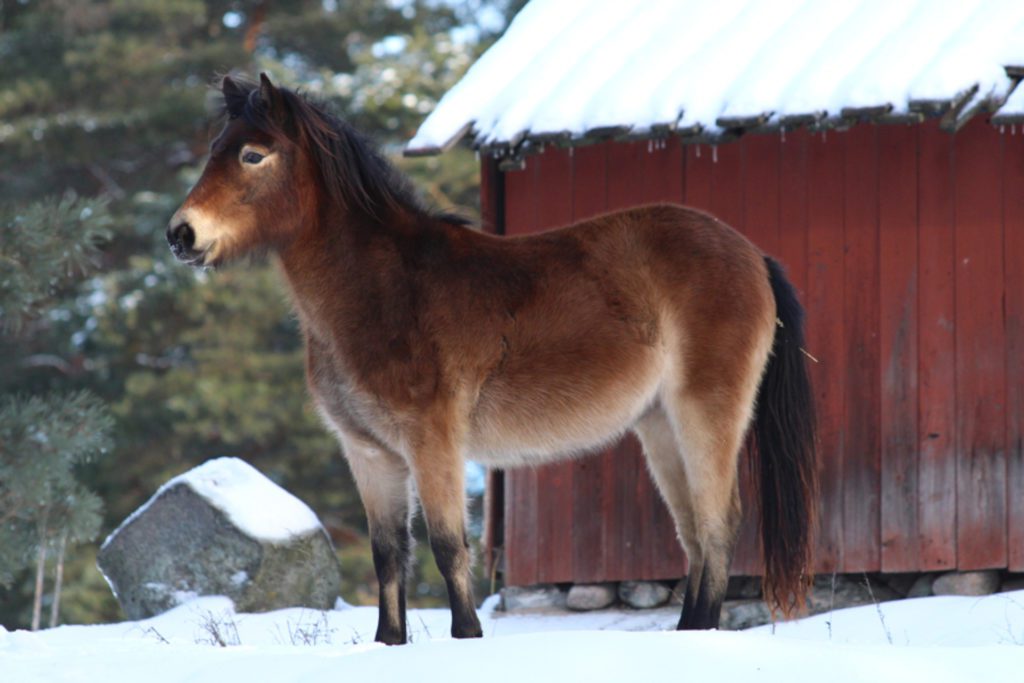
711 434
665 462
692 446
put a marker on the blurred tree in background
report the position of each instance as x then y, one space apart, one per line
111 100
44 439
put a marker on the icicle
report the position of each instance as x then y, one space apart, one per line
824 136
571 150
783 129
650 146
1002 130
714 154
698 151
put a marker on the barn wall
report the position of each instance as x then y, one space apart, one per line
907 247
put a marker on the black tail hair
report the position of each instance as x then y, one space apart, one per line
785 464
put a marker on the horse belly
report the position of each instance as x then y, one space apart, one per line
556 416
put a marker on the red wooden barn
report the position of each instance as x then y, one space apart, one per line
880 157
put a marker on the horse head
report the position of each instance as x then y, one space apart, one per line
257 189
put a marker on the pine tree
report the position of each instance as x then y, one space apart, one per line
44 439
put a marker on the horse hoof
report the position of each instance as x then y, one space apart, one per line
469 632
390 637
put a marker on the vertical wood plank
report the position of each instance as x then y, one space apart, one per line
826 334
727 184
761 188
937 399
792 250
554 188
980 349
492 184
591 507
520 199
553 196
521 484
861 464
897 226
697 189
1013 230
663 171
626 183
590 181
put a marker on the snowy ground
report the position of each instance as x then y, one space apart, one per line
928 639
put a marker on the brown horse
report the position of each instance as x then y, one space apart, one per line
429 342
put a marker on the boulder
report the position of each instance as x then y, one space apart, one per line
832 593
532 598
742 614
221 529
922 586
967 583
643 594
583 597
743 588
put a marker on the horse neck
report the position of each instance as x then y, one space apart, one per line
343 266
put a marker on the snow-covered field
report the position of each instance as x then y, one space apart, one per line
927 639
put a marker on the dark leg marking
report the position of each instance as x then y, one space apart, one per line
452 555
705 608
704 613
689 602
391 552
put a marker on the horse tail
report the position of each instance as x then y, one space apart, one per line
784 464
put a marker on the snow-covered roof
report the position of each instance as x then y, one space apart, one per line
574 69
1012 111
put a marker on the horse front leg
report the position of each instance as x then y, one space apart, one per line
384 484
440 473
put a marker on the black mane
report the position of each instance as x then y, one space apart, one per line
355 173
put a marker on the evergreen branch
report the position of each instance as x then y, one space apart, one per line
42 247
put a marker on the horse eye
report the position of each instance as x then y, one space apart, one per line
252 157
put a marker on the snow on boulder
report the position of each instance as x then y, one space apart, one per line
221 529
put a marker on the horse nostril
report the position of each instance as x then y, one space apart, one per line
181 237
187 236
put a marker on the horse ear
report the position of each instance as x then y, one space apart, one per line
234 96
270 95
